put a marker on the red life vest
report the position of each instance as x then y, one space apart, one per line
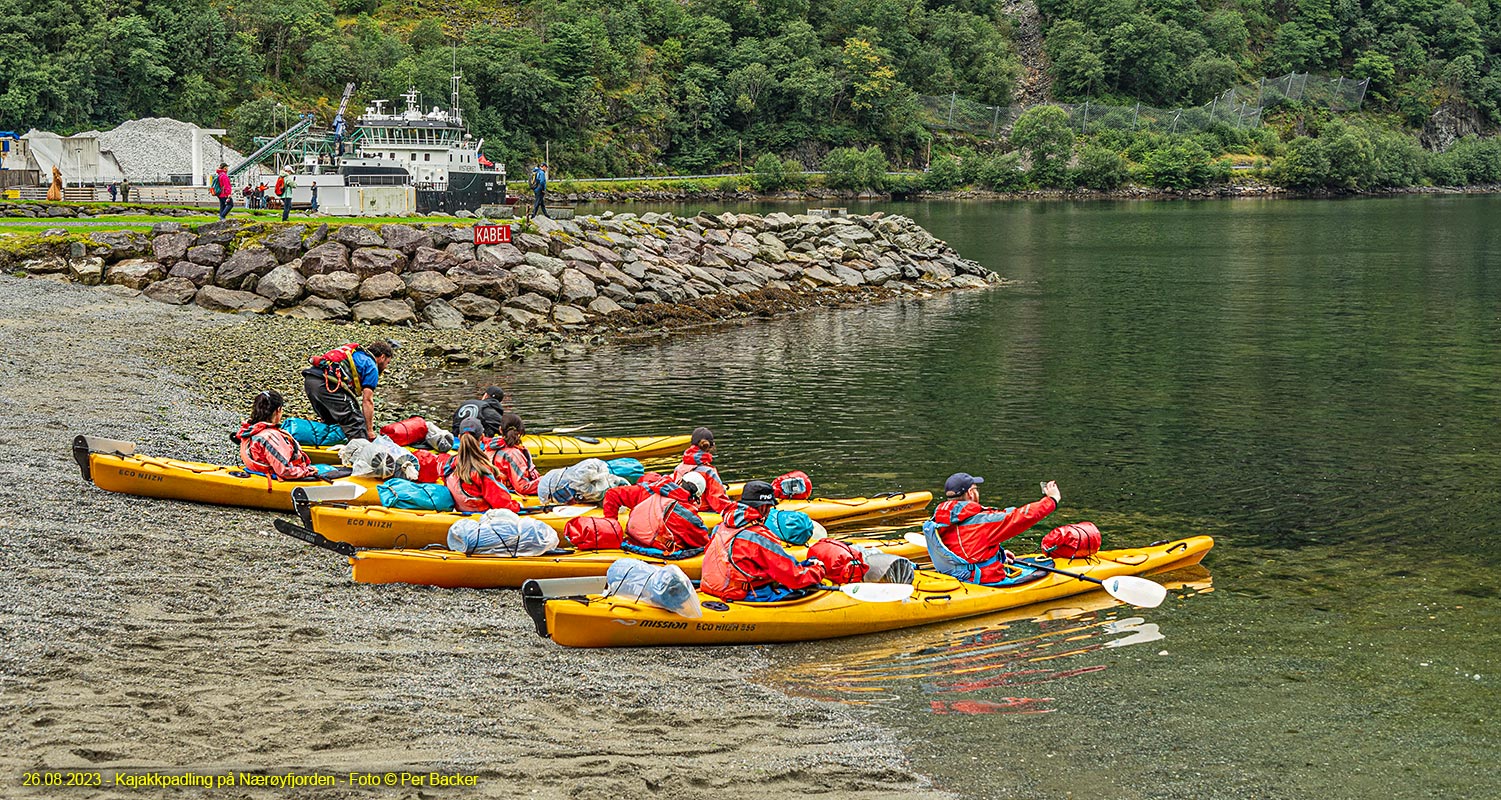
338 367
271 451
516 468
481 495
744 555
666 522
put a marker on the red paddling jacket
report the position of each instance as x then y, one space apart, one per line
479 493
969 536
663 515
516 467
743 555
272 452
695 460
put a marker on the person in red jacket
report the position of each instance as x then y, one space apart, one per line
511 457
268 450
965 538
472 478
664 513
699 458
744 559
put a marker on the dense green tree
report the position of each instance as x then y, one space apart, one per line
1044 134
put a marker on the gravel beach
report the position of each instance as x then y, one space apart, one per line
147 635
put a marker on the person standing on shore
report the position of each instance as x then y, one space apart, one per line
284 187
313 207
539 190
125 190
114 189
744 560
340 385
486 408
221 188
964 538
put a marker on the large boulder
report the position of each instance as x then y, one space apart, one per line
535 303
342 286
249 261
209 255
576 287
531 279
137 273
405 238
119 245
504 255
386 284
461 251
486 279
603 306
222 232
564 314
369 261
199 274
172 247
325 258
173 291
425 287
475 306
281 286
357 236
385 312
319 308
285 244
432 259
87 271
215 298
442 315
583 254
552 266
518 318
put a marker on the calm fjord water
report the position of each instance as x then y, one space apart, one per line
1314 383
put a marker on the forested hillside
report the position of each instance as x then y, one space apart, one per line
648 86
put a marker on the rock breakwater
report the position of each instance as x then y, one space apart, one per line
616 270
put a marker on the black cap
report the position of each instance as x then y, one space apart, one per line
702 435
758 493
495 393
959 483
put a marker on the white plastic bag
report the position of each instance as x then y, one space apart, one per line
885 567
438 440
501 532
381 458
665 587
584 482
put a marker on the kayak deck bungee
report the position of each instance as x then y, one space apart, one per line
551 450
585 619
116 467
380 527
449 569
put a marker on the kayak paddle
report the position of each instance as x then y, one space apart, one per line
1126 588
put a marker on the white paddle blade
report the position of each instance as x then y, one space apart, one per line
574 429
1136 591
878 592
337 492
918 539
98 444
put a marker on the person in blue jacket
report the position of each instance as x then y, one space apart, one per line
539 189
341 383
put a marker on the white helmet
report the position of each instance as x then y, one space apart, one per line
695 483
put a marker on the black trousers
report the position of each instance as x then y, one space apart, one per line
335 408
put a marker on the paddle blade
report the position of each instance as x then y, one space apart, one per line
336 492
1136 591
918 539
573 429
878 592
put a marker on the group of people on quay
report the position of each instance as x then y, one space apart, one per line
744 558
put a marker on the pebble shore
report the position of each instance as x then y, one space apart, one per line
155 635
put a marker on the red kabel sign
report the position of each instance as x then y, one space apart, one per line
492 234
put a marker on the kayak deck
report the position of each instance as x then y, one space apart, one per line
449 569
594 621
551 450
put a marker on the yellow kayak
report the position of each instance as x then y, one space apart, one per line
589 620
551 450
379 527
116 467
455 570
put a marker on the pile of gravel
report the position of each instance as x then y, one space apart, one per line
152 149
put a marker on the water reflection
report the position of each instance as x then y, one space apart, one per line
966 668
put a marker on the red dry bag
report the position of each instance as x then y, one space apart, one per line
842 563
1078 540
795 485
430 465
406 432
594 533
